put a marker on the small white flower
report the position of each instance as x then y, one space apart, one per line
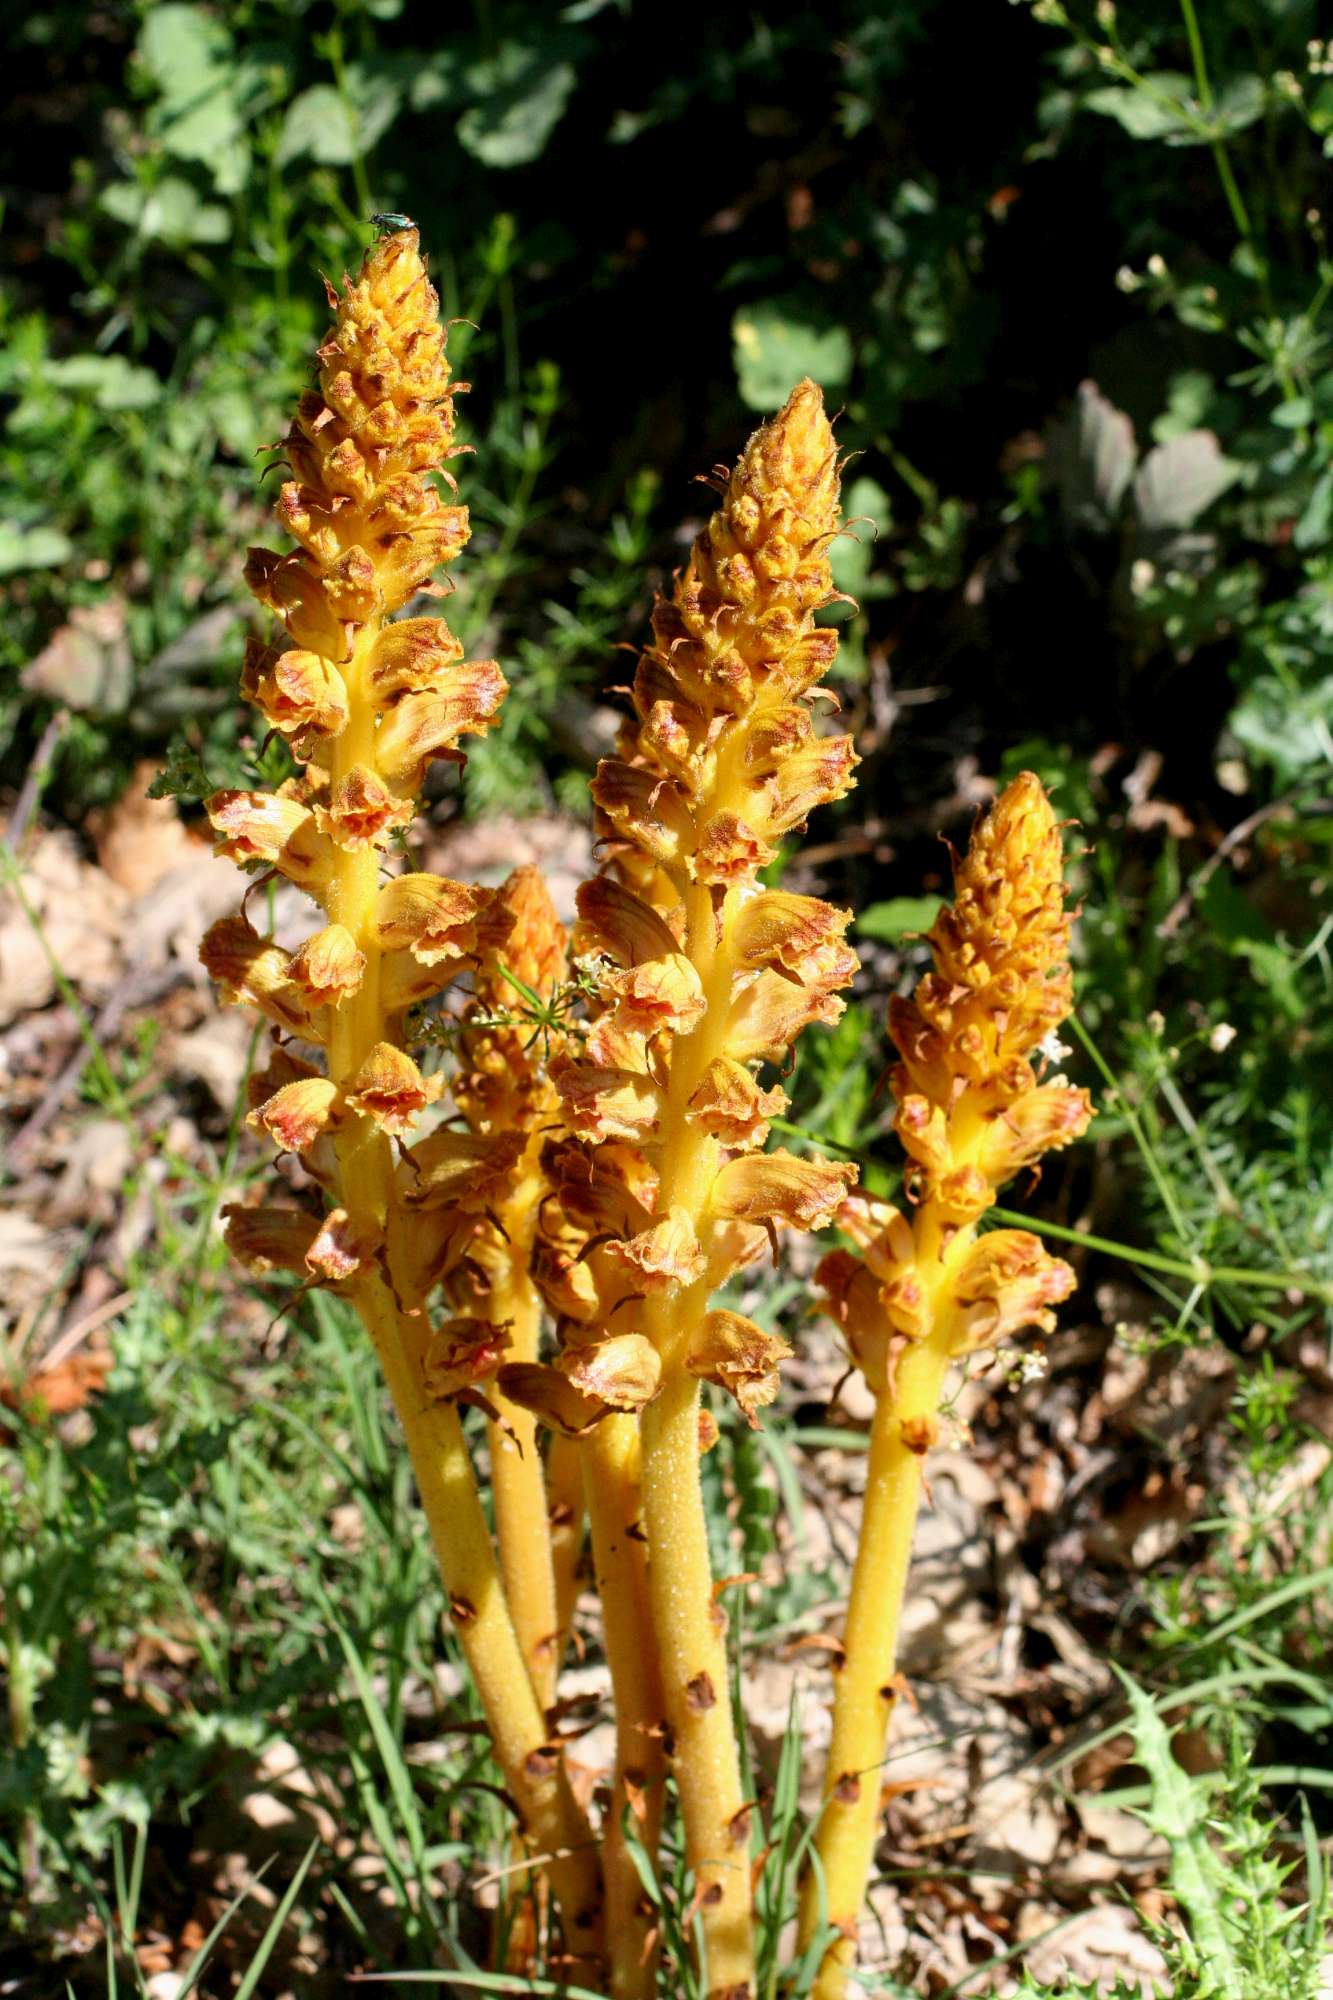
1053 1048
1033 1366
1156 1024
1157 265
1142 576
1221 1038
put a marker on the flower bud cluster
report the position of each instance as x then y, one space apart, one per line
365 702
661 1185
971 1110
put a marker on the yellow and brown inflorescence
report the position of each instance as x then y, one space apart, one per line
367 700
926 1290
662 1188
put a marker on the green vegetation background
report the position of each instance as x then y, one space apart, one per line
1066 273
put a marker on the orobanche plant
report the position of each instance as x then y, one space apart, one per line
533 1197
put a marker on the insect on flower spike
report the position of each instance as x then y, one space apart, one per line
367 701
711 976
924 1292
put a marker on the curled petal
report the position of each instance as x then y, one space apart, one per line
325 1249
852 1300
798 933
362 811
565 1281
645 808
603 1103
771 1012
551 1397
662 993
411 655
962 1194
296 592
739 1356
809 778
252 971
730 1106
1047 1118
624 1372
274 829
619 924
924 1131
328 968
300 1113
467 1170
1008 1282
298 691
281 1069
427 725
390 1089
667 1254
780 1187
340 1251
433 918
729 850
461 1353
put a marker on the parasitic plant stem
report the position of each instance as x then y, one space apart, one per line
925 1293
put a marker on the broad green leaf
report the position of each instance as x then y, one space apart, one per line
1180 479
1165 110
868 512
318 125
1094 455
171 212
521 96
32 548
774 348
117 384
183 49
898 918
1288 730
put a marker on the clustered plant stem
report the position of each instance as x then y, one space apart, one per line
549 1252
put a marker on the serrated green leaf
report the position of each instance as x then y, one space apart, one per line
774 348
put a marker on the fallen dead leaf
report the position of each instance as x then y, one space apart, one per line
139 840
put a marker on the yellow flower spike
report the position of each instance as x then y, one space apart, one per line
924 1292
367 703
712 975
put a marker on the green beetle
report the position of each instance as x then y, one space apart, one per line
389 225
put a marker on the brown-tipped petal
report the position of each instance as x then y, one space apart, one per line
362 811
430 916
1047 1118
624 1372
661 994
1008 1282
427 725
281 1069
551 1397
771 1012
565 1281
603 1103
461 1169
798 933
273 829
730 1106
739 1356
667 1254
300 1113
729 850
412 655
252 971
645 808
390 1089
289 586
328 968
340 1250
298 691
614 921
269 1239
461 1353
852 1299
924 1131
781 1187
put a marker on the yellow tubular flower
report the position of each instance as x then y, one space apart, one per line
366 703
665 1193
927 1291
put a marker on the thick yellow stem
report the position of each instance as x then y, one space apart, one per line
564 1497
611 1466
533 1769
518 1481
693 1661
